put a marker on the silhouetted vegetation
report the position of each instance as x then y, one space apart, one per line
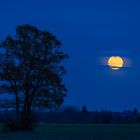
72 115
23 122
31 70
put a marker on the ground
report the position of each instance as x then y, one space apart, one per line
77 132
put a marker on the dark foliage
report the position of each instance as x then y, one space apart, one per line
31 66
84 110
24 122
31 70
70 115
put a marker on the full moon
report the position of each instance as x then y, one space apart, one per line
115 62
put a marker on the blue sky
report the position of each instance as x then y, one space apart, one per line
90 30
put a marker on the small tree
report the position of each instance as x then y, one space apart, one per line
135 116
31 68
97 117
84 110
135 112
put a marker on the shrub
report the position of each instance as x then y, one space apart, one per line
23 122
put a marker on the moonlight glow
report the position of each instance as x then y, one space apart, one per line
115 62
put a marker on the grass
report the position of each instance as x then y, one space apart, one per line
78 132
90 128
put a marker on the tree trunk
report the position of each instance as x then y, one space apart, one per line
29 108
27 105
17 102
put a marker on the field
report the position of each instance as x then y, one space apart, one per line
77 132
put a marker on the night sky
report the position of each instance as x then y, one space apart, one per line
91 31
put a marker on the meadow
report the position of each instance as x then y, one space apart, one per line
77 132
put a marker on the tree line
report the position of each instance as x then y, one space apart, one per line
72 115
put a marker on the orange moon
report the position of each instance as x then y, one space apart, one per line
115 62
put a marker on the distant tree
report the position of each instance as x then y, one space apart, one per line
135 112
70 109
84 110
96 117
106 117
110 118
32 70
70 114
135 116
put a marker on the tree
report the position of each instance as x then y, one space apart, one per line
84 110
31 69
106 117
97 117
135 112
135 116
